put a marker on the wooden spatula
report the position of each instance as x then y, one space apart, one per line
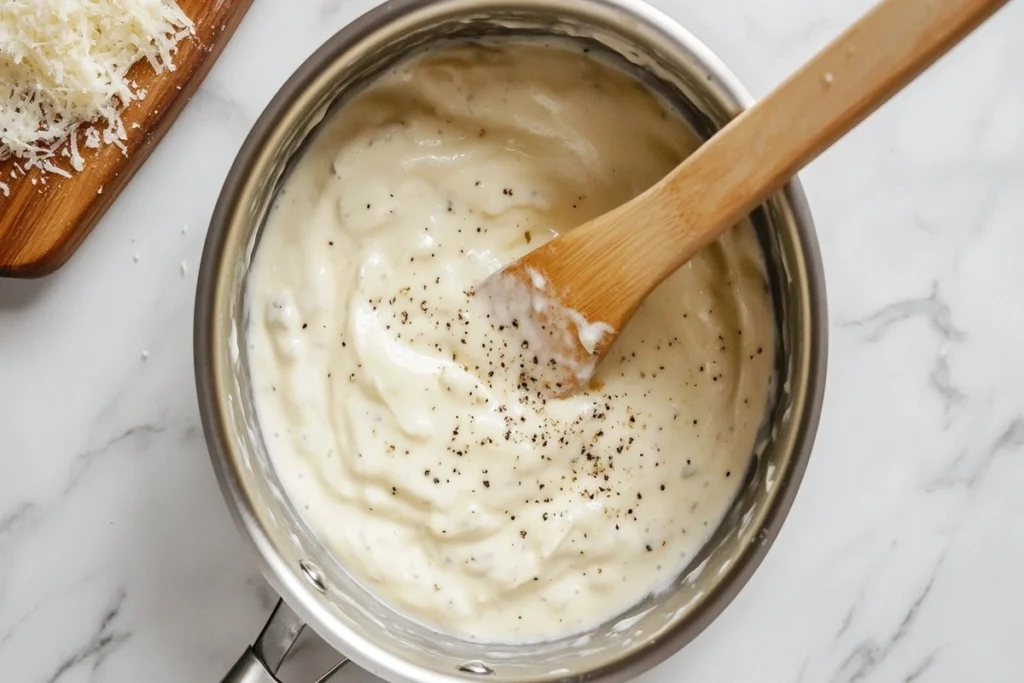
571 297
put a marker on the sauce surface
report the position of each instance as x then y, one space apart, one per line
394 413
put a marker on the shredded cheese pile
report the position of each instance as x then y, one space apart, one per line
63 65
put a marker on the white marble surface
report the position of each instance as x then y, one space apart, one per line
901 560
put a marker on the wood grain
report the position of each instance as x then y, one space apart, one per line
41 224
605 268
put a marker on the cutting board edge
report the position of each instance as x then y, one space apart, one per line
39 262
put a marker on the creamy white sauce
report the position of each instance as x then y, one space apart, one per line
590 333
392 409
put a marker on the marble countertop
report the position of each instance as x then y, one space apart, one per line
902 557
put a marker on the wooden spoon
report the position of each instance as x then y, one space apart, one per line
570 297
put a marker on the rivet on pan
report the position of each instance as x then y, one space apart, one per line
476 667
313 575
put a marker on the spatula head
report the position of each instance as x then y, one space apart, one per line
561 347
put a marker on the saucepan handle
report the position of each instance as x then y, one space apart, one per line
260 662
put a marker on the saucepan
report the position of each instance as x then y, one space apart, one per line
315 588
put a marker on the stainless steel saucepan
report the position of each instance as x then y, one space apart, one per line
315 589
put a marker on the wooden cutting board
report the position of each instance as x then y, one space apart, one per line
41 225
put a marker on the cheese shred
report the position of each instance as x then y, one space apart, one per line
62 73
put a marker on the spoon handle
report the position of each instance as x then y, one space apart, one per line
760 150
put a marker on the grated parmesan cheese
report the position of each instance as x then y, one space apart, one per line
62 72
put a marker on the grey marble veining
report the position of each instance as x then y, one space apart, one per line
901 560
